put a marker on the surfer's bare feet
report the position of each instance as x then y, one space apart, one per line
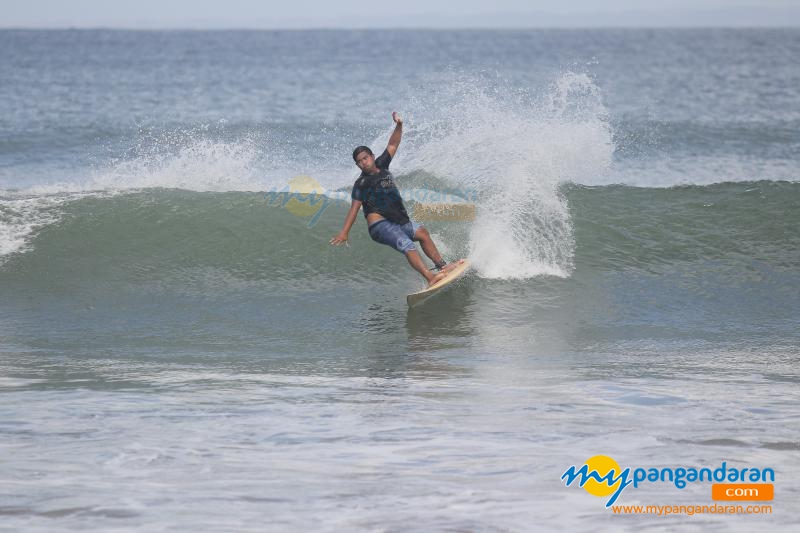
437 278
450 266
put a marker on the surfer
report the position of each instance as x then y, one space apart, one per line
387 218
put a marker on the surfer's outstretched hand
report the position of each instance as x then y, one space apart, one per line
339 239
396 117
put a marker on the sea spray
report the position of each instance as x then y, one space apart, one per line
514 150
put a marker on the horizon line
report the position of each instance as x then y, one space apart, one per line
397 28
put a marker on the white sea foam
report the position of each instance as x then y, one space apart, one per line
22 215
183 160
513 150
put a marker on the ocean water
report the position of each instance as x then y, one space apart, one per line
179 354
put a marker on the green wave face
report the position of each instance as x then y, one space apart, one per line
173 236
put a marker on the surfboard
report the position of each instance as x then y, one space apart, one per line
461 269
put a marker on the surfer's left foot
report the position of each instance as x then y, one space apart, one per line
450 266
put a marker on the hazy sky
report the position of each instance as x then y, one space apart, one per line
405 13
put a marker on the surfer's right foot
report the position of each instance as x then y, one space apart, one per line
437 278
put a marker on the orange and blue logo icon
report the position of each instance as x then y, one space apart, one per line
603 477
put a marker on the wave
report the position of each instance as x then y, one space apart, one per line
741 225
511 150
173 236
538 162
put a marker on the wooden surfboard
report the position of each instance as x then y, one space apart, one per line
462 266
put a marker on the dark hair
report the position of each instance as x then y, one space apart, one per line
360 149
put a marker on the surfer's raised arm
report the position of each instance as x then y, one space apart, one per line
341 237
394 140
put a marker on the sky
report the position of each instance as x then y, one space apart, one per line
295 14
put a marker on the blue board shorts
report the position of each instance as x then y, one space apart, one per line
398 236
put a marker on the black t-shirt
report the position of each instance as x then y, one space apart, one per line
378 193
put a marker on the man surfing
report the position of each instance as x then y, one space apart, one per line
387 219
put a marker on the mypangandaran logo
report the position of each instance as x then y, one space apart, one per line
602 476
303 196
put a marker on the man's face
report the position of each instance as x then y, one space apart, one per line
366 162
